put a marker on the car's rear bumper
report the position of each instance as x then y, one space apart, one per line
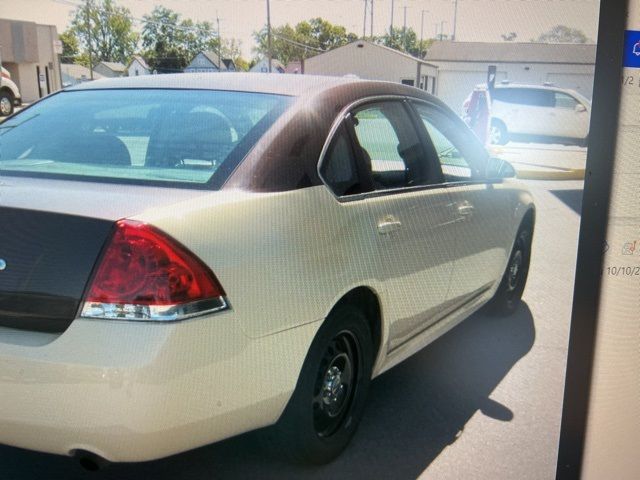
138 391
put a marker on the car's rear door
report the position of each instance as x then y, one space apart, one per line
569 118
483 217
410 214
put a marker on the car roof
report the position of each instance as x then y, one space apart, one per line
273 83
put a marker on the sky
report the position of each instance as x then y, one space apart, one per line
477 20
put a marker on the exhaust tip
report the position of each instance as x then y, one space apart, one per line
90 461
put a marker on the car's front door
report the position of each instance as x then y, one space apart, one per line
482 227
411 217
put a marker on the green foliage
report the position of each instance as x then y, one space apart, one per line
104 27
171 43
306 39
563 34
70 46
405 41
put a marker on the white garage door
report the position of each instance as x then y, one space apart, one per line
455 86
582 83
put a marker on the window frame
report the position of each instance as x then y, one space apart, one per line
342 119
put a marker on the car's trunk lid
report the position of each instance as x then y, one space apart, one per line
51 234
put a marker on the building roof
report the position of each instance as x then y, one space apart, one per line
78 71
397 52
215 60
512 52
114 66
140 60
275 65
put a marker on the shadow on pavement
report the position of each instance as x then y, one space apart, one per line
571 198
414 412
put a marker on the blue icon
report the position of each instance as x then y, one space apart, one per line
632 49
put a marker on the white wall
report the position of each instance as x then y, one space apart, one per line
457 79
368 62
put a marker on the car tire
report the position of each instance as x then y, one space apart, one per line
509 293
326 406
498 134
6 103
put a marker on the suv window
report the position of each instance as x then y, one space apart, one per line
339 168
536 97
565 101
390 146
457 149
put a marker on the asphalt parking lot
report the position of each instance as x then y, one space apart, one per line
484 401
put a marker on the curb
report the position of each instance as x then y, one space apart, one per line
567 174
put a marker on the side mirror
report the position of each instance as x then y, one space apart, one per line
580 108
498 168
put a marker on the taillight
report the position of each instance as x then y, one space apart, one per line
144 274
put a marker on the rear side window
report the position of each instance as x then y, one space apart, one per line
339 168
565 101
177 137
534 97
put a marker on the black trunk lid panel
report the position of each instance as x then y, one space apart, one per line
49 258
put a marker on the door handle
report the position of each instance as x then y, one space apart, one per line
388 225
466 209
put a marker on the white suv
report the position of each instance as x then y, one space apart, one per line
536 113
9 93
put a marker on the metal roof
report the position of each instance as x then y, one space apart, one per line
512 52
115 66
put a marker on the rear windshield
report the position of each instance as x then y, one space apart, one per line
173 137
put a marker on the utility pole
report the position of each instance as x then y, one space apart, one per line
87 7
442 28
391 26
364 21
219 43
422 29
455 19
371 30
269 34
404 29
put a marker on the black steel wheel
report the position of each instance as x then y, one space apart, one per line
327 404
509 293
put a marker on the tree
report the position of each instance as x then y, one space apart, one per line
171 43
509 37
306 39
405 41
563 34
70 46
106 29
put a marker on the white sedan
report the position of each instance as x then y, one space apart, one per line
184 258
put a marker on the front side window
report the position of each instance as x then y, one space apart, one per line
390 146
179 137
457 150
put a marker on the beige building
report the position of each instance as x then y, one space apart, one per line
371 61
29 52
